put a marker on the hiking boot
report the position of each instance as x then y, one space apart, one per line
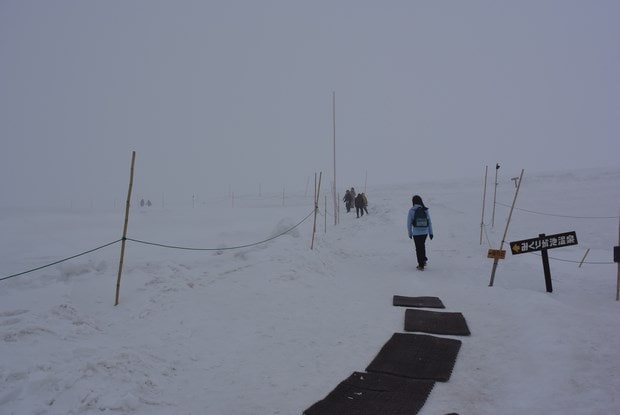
419 268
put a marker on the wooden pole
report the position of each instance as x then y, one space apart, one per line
484 197
338 206
496 261
334 155
317 191
494 196
120 264
618 281
325 211
314 226
584 257
546 267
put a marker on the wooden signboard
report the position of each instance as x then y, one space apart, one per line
496 254
543 243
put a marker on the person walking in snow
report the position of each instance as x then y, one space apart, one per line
359 205
348 200
364 202
419 225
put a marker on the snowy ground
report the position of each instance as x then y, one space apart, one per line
271 329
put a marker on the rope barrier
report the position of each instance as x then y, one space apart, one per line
58 262
224 248
560 216
160 245
575 262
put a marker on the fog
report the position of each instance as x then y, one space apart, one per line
236 96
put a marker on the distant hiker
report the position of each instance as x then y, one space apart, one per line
364 202
353 193
348 200
142 203
148 203
359 205
418 226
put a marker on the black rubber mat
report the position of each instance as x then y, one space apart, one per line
436 322
417 356
374 394
420 302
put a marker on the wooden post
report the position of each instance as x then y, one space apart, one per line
120 264
317 191
484 197
496 261
584 257
546 268
494 196
325 211
618 262
334 154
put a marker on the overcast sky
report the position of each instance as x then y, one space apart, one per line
221 95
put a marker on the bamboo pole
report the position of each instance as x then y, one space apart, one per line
325 211
484 197
334 154
496 261
120 264
314 225
317 191
584 257
494 196
618 281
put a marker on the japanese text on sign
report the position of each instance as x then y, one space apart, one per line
548 242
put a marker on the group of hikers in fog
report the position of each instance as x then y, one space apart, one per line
360 202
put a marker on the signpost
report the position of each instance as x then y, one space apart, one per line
543 243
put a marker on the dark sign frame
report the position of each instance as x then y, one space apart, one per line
543 243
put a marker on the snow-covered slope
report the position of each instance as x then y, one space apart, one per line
272 328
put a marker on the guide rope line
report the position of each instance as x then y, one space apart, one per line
156 244
62 260
561 216
575 262
224 248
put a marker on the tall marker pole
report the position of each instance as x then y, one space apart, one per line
334 154
317 192
120 264
617 256
484 197
494 196
496 260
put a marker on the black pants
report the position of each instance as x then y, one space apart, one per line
420 249
359 209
